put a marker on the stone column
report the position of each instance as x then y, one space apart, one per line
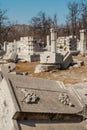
53 40
48 42
5 47
83 41
31 46
14 47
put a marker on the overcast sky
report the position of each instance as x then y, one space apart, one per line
23 10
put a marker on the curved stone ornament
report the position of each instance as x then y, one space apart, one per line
64 98
30 97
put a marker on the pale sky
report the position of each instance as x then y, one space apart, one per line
23 10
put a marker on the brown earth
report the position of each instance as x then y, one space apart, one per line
70 76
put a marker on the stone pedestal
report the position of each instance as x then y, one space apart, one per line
51 58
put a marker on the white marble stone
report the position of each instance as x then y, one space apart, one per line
25 47
53 40
51 58
7 108
48 43
83 42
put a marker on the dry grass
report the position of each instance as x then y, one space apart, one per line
23 67
71 76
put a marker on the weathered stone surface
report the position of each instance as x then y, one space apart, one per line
13 57
83 42
64 98
6 68
51 58
68 43
26 49
39 69
62 58
45 68
7 108
67 60
30 96
21 105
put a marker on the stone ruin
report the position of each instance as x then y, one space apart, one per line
27 48
60 51
68 43
71 43
28 103
57 56
52 58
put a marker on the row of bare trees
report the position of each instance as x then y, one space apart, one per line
76 18
40 24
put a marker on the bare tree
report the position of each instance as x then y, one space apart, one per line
40 25
5 26
84 13
3 18
73 8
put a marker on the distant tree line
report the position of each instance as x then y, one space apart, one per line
76 19
40 24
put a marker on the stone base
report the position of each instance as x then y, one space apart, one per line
51 58
44 68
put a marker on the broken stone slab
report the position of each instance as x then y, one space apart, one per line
39 69
67 60
79 62
3 61
19 73
71 67
14 110
13 73
76 66
13 57
22 73
7 68
7 56
45 68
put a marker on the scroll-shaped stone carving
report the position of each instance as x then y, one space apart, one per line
64 98
29 96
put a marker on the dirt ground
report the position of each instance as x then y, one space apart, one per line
69 76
